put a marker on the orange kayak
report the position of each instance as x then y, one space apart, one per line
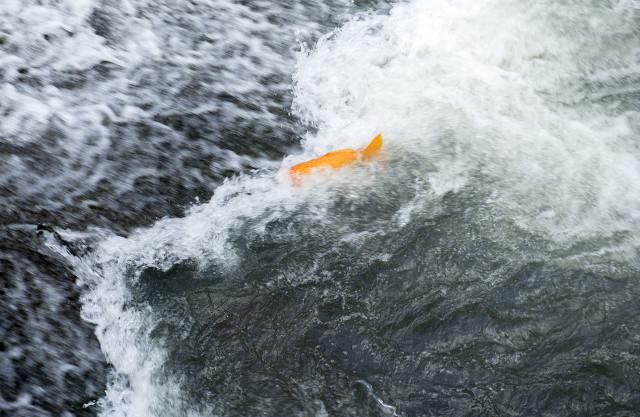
337 159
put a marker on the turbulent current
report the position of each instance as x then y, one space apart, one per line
157 261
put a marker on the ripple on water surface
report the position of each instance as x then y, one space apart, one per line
485 266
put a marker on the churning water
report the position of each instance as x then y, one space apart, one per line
486 265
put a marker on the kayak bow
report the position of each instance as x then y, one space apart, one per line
337 159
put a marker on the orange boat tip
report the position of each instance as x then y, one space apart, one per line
374 147
337 159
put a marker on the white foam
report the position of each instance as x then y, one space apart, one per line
477 82
151 51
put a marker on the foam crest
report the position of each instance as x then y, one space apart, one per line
486 84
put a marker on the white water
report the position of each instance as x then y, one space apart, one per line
161 58
483 85
483 95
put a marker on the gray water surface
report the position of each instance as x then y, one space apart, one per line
486 265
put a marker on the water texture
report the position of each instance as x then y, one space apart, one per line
486 265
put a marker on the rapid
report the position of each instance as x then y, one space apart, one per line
485 265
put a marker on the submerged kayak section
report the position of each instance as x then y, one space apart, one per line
337 159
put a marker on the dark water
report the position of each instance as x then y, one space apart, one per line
156 261
311 324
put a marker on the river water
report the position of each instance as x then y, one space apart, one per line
156 259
